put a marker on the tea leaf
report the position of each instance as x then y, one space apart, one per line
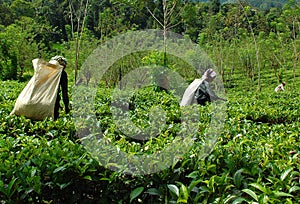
282 194
135 193
88 177
259 187
285 173
153 191
237 178
61 168
9 191
182 201
294 188
193 175
238 200
174 189
251 193
184 194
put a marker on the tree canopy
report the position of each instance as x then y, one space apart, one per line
44 28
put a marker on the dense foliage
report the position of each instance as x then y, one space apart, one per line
254 44
47 28
256 159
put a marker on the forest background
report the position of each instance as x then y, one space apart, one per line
246 37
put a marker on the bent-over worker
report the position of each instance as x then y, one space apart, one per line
199 90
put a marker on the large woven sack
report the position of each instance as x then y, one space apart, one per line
37 100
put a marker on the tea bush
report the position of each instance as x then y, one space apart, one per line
254 160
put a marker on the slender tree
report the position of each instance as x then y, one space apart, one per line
79 15
166 23
246 9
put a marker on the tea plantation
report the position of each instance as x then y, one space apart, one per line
255 159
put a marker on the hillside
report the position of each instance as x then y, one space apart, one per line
262 4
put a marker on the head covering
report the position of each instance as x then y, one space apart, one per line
209 74
60 59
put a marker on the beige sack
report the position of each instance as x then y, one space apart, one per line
37 100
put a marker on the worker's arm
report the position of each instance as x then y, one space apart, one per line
212 95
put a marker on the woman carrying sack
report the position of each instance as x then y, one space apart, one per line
40 98
63 87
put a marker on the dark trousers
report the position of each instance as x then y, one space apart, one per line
56 107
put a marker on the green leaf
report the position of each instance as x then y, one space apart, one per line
184 194
9 191
294 188
1 185
174 189
64 185
61 168
88 177
153 191
229 199
135 193
259 187
286 173
238 200
237 178
193 175
251 193
282 194
182 201
192 186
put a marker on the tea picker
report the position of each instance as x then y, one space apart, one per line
63 84
199 91
41 96
280 87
